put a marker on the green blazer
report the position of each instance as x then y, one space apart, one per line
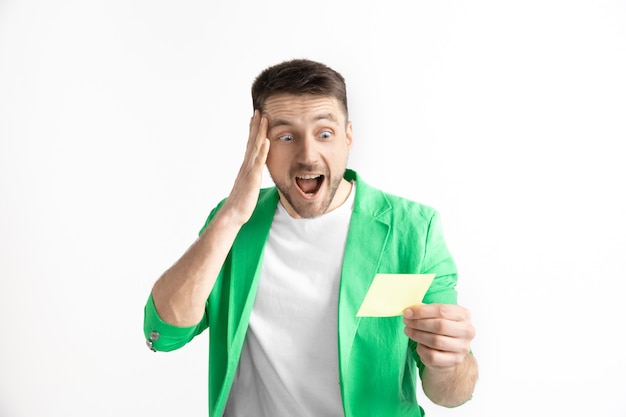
378 362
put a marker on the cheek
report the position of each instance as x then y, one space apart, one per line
340 155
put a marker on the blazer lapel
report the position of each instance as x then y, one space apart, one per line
243 280
248 251
367 237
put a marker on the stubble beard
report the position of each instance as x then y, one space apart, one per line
308 209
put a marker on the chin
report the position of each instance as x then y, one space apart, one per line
311 210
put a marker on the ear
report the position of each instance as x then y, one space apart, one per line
349 134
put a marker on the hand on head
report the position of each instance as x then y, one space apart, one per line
244 194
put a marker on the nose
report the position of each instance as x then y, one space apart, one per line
308 152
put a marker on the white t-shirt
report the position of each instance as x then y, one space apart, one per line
289 362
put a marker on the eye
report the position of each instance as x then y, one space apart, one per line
326 134
285 138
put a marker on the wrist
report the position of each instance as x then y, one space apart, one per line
230 217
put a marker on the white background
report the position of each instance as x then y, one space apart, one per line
123 122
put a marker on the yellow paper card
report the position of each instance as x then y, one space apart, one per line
390 294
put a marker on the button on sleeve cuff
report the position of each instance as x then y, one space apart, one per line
161 336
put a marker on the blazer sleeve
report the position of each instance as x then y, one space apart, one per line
162 336
437 260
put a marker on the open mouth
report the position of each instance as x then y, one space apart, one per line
309 184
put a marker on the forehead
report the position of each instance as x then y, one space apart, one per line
302 107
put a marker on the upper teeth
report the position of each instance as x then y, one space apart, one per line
308 177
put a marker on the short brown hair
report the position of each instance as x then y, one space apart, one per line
299 77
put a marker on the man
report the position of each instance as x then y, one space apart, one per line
278 274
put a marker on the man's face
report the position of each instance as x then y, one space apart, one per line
310 140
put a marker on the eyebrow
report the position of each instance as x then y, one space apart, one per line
284 122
